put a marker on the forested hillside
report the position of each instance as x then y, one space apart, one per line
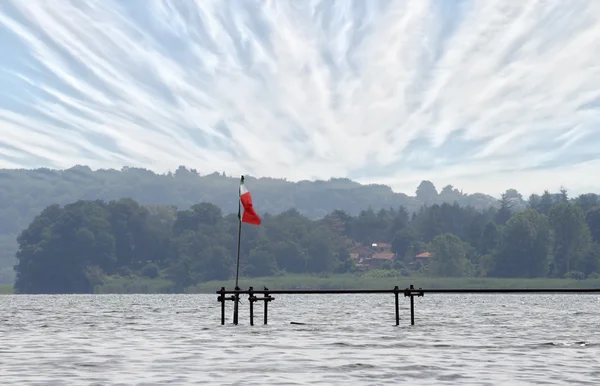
25 193
75 247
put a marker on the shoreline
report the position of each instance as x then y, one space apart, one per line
340 281
6 289
346 282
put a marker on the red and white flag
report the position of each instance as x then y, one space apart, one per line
249 216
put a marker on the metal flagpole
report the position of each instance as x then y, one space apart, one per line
237 270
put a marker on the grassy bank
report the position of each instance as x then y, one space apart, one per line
345 281
365 282
136 285
6 289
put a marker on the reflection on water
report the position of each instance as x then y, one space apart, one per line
345 339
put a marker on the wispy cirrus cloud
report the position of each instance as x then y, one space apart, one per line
484 95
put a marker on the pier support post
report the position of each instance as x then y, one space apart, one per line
236 306
412 292
412 310
266 305
251 299
396 292
221 298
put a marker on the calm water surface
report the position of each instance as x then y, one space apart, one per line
178 340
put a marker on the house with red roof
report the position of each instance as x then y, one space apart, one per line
421 259
373 257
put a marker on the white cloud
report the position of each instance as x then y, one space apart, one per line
484 95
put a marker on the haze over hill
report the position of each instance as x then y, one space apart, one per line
483 95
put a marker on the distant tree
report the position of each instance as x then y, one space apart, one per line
587 201
563 196
369 227
429 223
489 239
524 246
592 218
591 262
534 202
403 240
59 248
546 202
426 192
398 221
571 237
505 211
448 257
513 194
450 195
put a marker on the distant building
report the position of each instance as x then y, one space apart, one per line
378 259
382 247
361 252
373 257
421 259
424 255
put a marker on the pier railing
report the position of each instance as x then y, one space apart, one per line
409 292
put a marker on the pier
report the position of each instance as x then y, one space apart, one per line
265 296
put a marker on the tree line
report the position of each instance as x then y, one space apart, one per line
25 193
73 248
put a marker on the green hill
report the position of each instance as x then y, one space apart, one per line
25 193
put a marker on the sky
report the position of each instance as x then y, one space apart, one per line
485 95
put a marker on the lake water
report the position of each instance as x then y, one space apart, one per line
347 340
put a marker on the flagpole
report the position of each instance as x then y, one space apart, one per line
237 270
